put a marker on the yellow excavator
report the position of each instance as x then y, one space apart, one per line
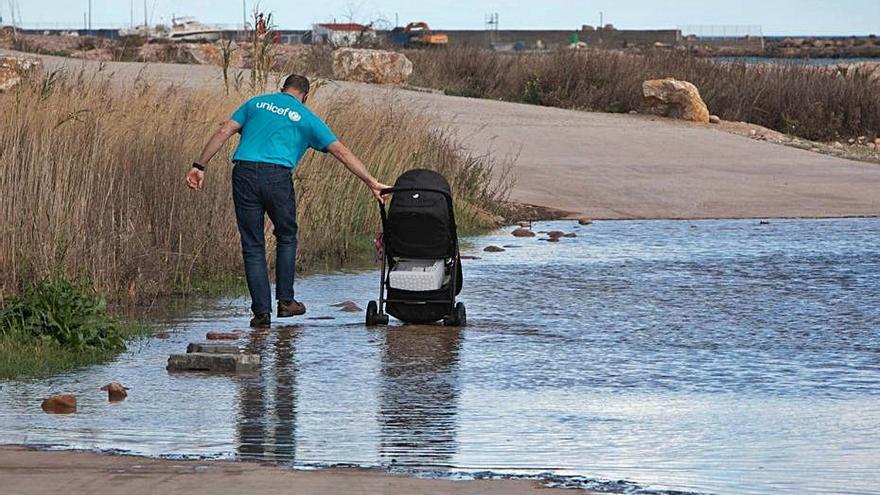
418 35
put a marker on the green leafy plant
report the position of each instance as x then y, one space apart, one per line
62 312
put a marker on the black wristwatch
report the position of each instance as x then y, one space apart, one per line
199 166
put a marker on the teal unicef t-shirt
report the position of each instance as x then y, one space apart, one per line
277 128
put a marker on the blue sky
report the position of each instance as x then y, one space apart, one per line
776 16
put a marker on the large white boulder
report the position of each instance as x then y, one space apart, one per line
371 66
14 68
675 99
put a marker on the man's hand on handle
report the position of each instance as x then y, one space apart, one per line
376 189
355 166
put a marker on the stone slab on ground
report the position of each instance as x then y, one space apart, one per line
213 363
212 348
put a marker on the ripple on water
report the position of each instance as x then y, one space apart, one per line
732 357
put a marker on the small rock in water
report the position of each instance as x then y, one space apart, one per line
585 221
222 335
764 222
714 119
115 391
162 335
469 257
493 249
510 246
59 404
555 233
321 318
348 307
551 239
570 235
521 232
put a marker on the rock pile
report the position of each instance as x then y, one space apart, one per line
674 99
14 68
371 66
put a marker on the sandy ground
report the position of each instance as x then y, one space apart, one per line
29 472
613 166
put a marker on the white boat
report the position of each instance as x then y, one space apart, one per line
145 31
189 29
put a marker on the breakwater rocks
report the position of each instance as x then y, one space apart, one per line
792 47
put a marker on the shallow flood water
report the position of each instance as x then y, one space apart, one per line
709 357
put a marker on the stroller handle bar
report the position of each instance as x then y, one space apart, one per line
392 190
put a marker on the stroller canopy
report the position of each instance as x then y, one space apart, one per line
420 219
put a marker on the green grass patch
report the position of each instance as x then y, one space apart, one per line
56 325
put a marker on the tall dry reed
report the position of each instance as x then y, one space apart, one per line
91 183
810 102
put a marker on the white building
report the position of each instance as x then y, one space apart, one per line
342 34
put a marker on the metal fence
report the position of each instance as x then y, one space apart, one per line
723 32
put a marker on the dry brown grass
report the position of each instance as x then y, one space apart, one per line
804 101
92 184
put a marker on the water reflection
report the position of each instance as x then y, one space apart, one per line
419 395
266 420
716 356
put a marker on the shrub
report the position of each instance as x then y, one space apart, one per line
809 102
67 314
91 185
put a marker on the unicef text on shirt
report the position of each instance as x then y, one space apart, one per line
291 114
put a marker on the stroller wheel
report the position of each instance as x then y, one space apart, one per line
458 318
372 313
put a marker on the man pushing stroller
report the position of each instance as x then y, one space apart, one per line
276 130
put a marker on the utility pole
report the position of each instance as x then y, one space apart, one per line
146 21
244 15
601 20
131 19
90 16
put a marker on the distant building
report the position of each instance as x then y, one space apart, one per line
342 34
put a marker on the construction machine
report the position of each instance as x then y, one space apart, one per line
418 35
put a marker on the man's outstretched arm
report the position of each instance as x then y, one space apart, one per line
195 177
355 166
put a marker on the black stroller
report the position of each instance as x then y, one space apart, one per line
421 267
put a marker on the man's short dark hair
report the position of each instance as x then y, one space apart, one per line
297 82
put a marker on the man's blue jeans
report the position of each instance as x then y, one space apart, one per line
258 189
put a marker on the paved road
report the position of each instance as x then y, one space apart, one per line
28 472
620 166
624 166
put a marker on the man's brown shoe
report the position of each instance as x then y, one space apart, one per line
261 321
290 308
